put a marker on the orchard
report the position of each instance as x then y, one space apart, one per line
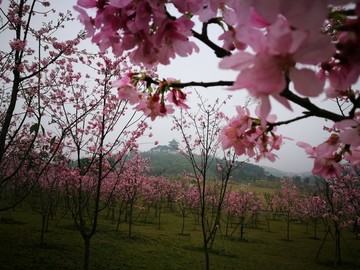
80 88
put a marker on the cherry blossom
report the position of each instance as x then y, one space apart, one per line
248 137
126 90
278 50
326 158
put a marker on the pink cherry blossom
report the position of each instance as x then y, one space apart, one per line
248 137
305 14
127 90
153 107
277 52
178 98
349 131
17 44
326 158
88 22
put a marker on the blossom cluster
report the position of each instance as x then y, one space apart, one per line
150 101
249 137
142 27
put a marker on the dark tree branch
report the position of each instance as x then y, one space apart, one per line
306 115
311 107
219 52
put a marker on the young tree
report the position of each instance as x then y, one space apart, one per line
342 196
187 199
314 208
287 200
132 184
99 142
240 205
202 150
268 208
47 191
32 58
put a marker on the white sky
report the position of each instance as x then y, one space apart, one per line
203 67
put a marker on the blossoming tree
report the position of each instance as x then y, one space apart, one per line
33 58
200 132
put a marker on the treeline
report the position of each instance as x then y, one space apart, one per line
173 164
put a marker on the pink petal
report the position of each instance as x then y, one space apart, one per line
267 9
305 14
238 61
119 3
316 49
306 82
264 110
346 123
350 136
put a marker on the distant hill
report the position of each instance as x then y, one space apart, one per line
279 173
173 164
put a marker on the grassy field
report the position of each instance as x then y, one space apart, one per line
165 248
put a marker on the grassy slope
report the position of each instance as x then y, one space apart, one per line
152 248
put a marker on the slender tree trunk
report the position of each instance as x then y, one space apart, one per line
242 230
338 260
206 253
315 228
86 262
42 233
183 222
119 219
227 224
159 218
130 220
267 217
288 227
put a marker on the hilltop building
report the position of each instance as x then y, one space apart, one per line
172 147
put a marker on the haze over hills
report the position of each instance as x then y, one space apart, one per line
166 160
279 173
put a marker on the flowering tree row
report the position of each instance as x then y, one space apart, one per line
132 193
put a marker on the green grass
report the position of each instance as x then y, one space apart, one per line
151 248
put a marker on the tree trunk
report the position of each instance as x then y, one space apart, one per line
288 227
242 230
86 262
183 222
42 233
338 260
130 219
